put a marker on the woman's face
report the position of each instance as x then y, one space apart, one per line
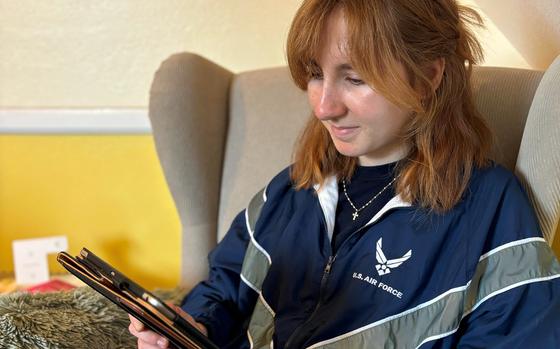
361 122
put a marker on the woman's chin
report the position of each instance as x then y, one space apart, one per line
345 150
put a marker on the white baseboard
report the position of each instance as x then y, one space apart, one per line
74 121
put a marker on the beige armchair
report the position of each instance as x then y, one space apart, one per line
221 136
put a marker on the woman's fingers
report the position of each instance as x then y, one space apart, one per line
144 345
148 339
138 325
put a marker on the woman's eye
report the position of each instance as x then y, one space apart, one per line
355 81
316 76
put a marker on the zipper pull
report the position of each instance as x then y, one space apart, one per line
329 264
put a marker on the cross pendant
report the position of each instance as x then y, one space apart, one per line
354 215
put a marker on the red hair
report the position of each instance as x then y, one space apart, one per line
447 136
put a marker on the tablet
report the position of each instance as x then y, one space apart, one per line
134 299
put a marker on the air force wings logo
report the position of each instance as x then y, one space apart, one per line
385 265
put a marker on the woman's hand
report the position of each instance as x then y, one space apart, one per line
148 339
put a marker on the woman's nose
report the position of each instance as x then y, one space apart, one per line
328 103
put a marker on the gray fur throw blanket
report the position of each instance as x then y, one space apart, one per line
75 319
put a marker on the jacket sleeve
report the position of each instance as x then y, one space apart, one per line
527 316
222 302
514 295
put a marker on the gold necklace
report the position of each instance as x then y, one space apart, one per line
357 210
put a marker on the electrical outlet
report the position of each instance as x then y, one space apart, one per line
30 258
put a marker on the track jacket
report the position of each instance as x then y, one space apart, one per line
478 276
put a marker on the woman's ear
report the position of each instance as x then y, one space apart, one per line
435 72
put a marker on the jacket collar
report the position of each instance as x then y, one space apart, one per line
328 199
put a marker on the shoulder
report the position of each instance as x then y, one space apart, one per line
508 259
499 209
493 176
279 191
280 182
495 187
281 187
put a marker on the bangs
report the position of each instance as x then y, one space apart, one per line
378 53
304 39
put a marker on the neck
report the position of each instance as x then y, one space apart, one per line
378 160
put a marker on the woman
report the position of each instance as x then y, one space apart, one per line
392 229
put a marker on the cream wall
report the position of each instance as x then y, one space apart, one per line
498 50
519 33
72 53
532 27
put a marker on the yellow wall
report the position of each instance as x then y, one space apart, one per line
556 243
106 193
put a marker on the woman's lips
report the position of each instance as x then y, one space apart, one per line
343 132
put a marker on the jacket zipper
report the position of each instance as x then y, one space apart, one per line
326 273
324 278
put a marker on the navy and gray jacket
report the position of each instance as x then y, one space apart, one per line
477 276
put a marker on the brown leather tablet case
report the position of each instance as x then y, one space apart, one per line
134 299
